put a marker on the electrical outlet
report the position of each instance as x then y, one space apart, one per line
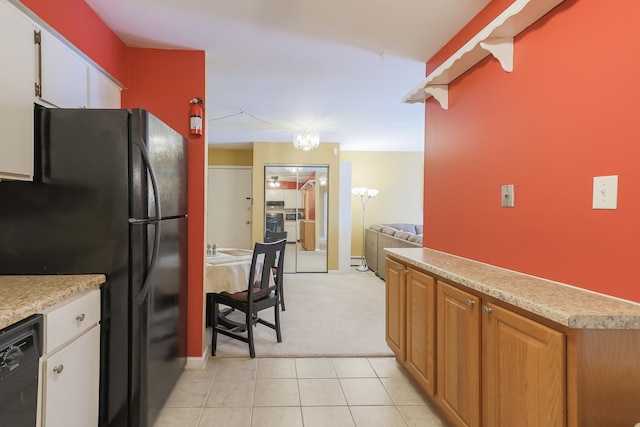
605 192
507 196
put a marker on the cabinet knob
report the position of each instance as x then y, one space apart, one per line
471 302
399 268
80 317
58 369
486 309
247 222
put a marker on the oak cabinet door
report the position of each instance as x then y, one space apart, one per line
523 371
458 355
421 334
395 308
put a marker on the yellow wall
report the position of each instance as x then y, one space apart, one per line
228 157
274 154
399 178
397 175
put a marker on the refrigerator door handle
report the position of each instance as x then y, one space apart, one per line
152 174
154 255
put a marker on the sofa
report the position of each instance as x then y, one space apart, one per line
380 236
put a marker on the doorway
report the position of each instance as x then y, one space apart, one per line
229 205
299 194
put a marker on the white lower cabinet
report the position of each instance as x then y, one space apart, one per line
290 228
70 371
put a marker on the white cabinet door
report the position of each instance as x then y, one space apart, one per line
17 93
290 228
290 197
64 74
71 383
103 93
274 195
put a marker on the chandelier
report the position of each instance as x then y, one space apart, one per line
306 140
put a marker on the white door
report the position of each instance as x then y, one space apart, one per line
229 207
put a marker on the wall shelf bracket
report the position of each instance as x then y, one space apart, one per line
440 93
495 39
502 50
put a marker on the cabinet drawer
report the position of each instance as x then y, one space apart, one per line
72 318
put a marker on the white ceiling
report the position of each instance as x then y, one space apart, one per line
341 66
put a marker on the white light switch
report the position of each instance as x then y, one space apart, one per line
605 192
507 195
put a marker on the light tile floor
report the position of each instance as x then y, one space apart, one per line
300 392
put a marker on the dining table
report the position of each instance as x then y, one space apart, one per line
228 271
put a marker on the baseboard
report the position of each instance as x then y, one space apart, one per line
355 261
198 362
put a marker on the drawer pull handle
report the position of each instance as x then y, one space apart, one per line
486 309
471 302
58 369
80 317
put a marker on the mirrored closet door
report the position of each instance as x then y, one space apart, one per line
296 202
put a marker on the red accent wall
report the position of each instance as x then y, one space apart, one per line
79 24
163 82
568 112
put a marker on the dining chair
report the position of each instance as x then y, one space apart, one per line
272 236
262 293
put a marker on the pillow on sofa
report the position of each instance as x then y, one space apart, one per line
419 229
403 235
390 231
415 239
403 227
376 227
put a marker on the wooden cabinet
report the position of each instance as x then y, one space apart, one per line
70 364
480 362
64 80
489 354
421 328
293 199
103 93
523 371
17 94
290 227
274 195
308 235
396 308
458 355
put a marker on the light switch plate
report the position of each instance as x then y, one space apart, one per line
605 192
507 196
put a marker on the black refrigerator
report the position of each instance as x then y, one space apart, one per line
110 196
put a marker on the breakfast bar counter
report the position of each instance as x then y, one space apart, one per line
23 296
566 305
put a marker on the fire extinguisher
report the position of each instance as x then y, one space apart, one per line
196 113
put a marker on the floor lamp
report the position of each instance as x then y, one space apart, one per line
364 194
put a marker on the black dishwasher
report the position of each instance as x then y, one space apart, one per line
20 350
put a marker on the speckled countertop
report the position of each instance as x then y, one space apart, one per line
22 296
561 303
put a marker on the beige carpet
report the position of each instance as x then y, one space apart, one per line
332 315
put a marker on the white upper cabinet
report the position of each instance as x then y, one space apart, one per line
103 93
64 74
38 67
17 90
293 199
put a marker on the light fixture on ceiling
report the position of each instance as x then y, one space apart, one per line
364 194
306 139
273 182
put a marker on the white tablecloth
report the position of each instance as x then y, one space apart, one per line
228 271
